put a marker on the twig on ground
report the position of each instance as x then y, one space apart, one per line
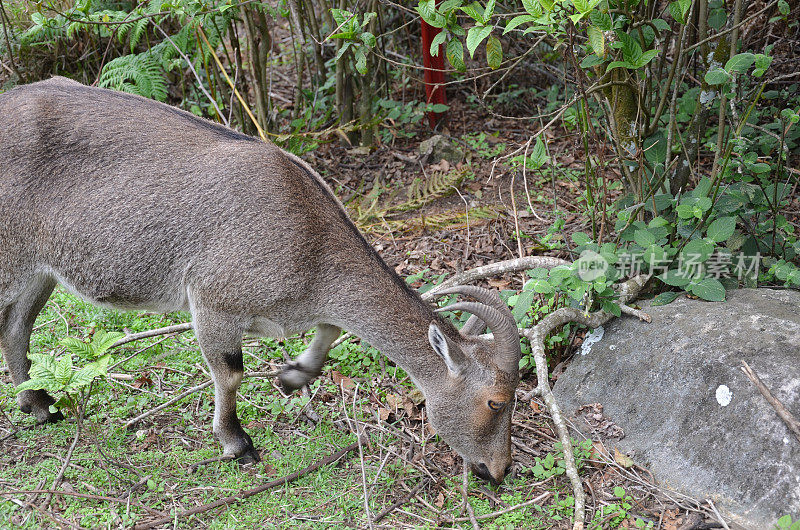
67 457
717 514
536 335
182 395
172 401
494 269
465 493
788 418
177 328
504 511
84 496
251 492
386 511
219 458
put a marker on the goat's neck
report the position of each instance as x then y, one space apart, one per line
396 323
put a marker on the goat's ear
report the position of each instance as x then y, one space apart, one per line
452 357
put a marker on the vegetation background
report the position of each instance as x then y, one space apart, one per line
661 136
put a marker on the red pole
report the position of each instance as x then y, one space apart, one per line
434 70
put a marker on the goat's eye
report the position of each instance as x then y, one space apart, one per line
496 405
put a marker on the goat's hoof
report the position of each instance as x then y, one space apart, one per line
250 456
293 376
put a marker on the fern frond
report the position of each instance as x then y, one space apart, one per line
137 74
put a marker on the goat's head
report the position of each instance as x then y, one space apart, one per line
472 408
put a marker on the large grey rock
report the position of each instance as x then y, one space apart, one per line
688 412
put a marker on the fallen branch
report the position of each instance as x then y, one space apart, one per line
536 335
83 496
177 328
495 269
172 401
504 511
249 493
399 503
788 418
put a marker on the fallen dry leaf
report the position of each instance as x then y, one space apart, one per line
622 459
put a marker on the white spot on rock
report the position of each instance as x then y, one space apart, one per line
591 338
724 395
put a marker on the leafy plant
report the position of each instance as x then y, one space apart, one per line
58 375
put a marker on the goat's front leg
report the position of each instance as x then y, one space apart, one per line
308 365
221 343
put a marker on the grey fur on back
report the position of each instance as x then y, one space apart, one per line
134 204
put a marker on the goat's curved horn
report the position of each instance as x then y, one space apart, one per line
502 325
474 326
486 296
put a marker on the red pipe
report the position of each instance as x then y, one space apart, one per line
434 70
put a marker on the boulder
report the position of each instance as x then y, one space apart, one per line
686 410
437 148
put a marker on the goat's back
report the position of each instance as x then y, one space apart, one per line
129 202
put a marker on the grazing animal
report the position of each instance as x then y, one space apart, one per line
134 204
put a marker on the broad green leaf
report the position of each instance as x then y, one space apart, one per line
631 49
580 238
685 211
703 188
488 11
783 7
643 238
63 372
721 229
437 41
103 340
708 289
475 36
620 64
704 203
516 21
370 40
646 57
361 61
547 4
664 298
697 251
532 7
78 347
675 278
522 306
494 52
455 54
474 11
597 41
539 154
601 20
741 62
541 286
342 51
717 76
654 255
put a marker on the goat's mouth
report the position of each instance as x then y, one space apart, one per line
482 471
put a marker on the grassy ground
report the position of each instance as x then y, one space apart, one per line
147 468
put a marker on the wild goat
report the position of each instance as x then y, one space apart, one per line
133 204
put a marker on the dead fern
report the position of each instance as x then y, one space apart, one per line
438 184
450 220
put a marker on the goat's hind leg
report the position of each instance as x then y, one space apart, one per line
16 325
308 365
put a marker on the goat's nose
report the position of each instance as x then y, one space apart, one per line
482 471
